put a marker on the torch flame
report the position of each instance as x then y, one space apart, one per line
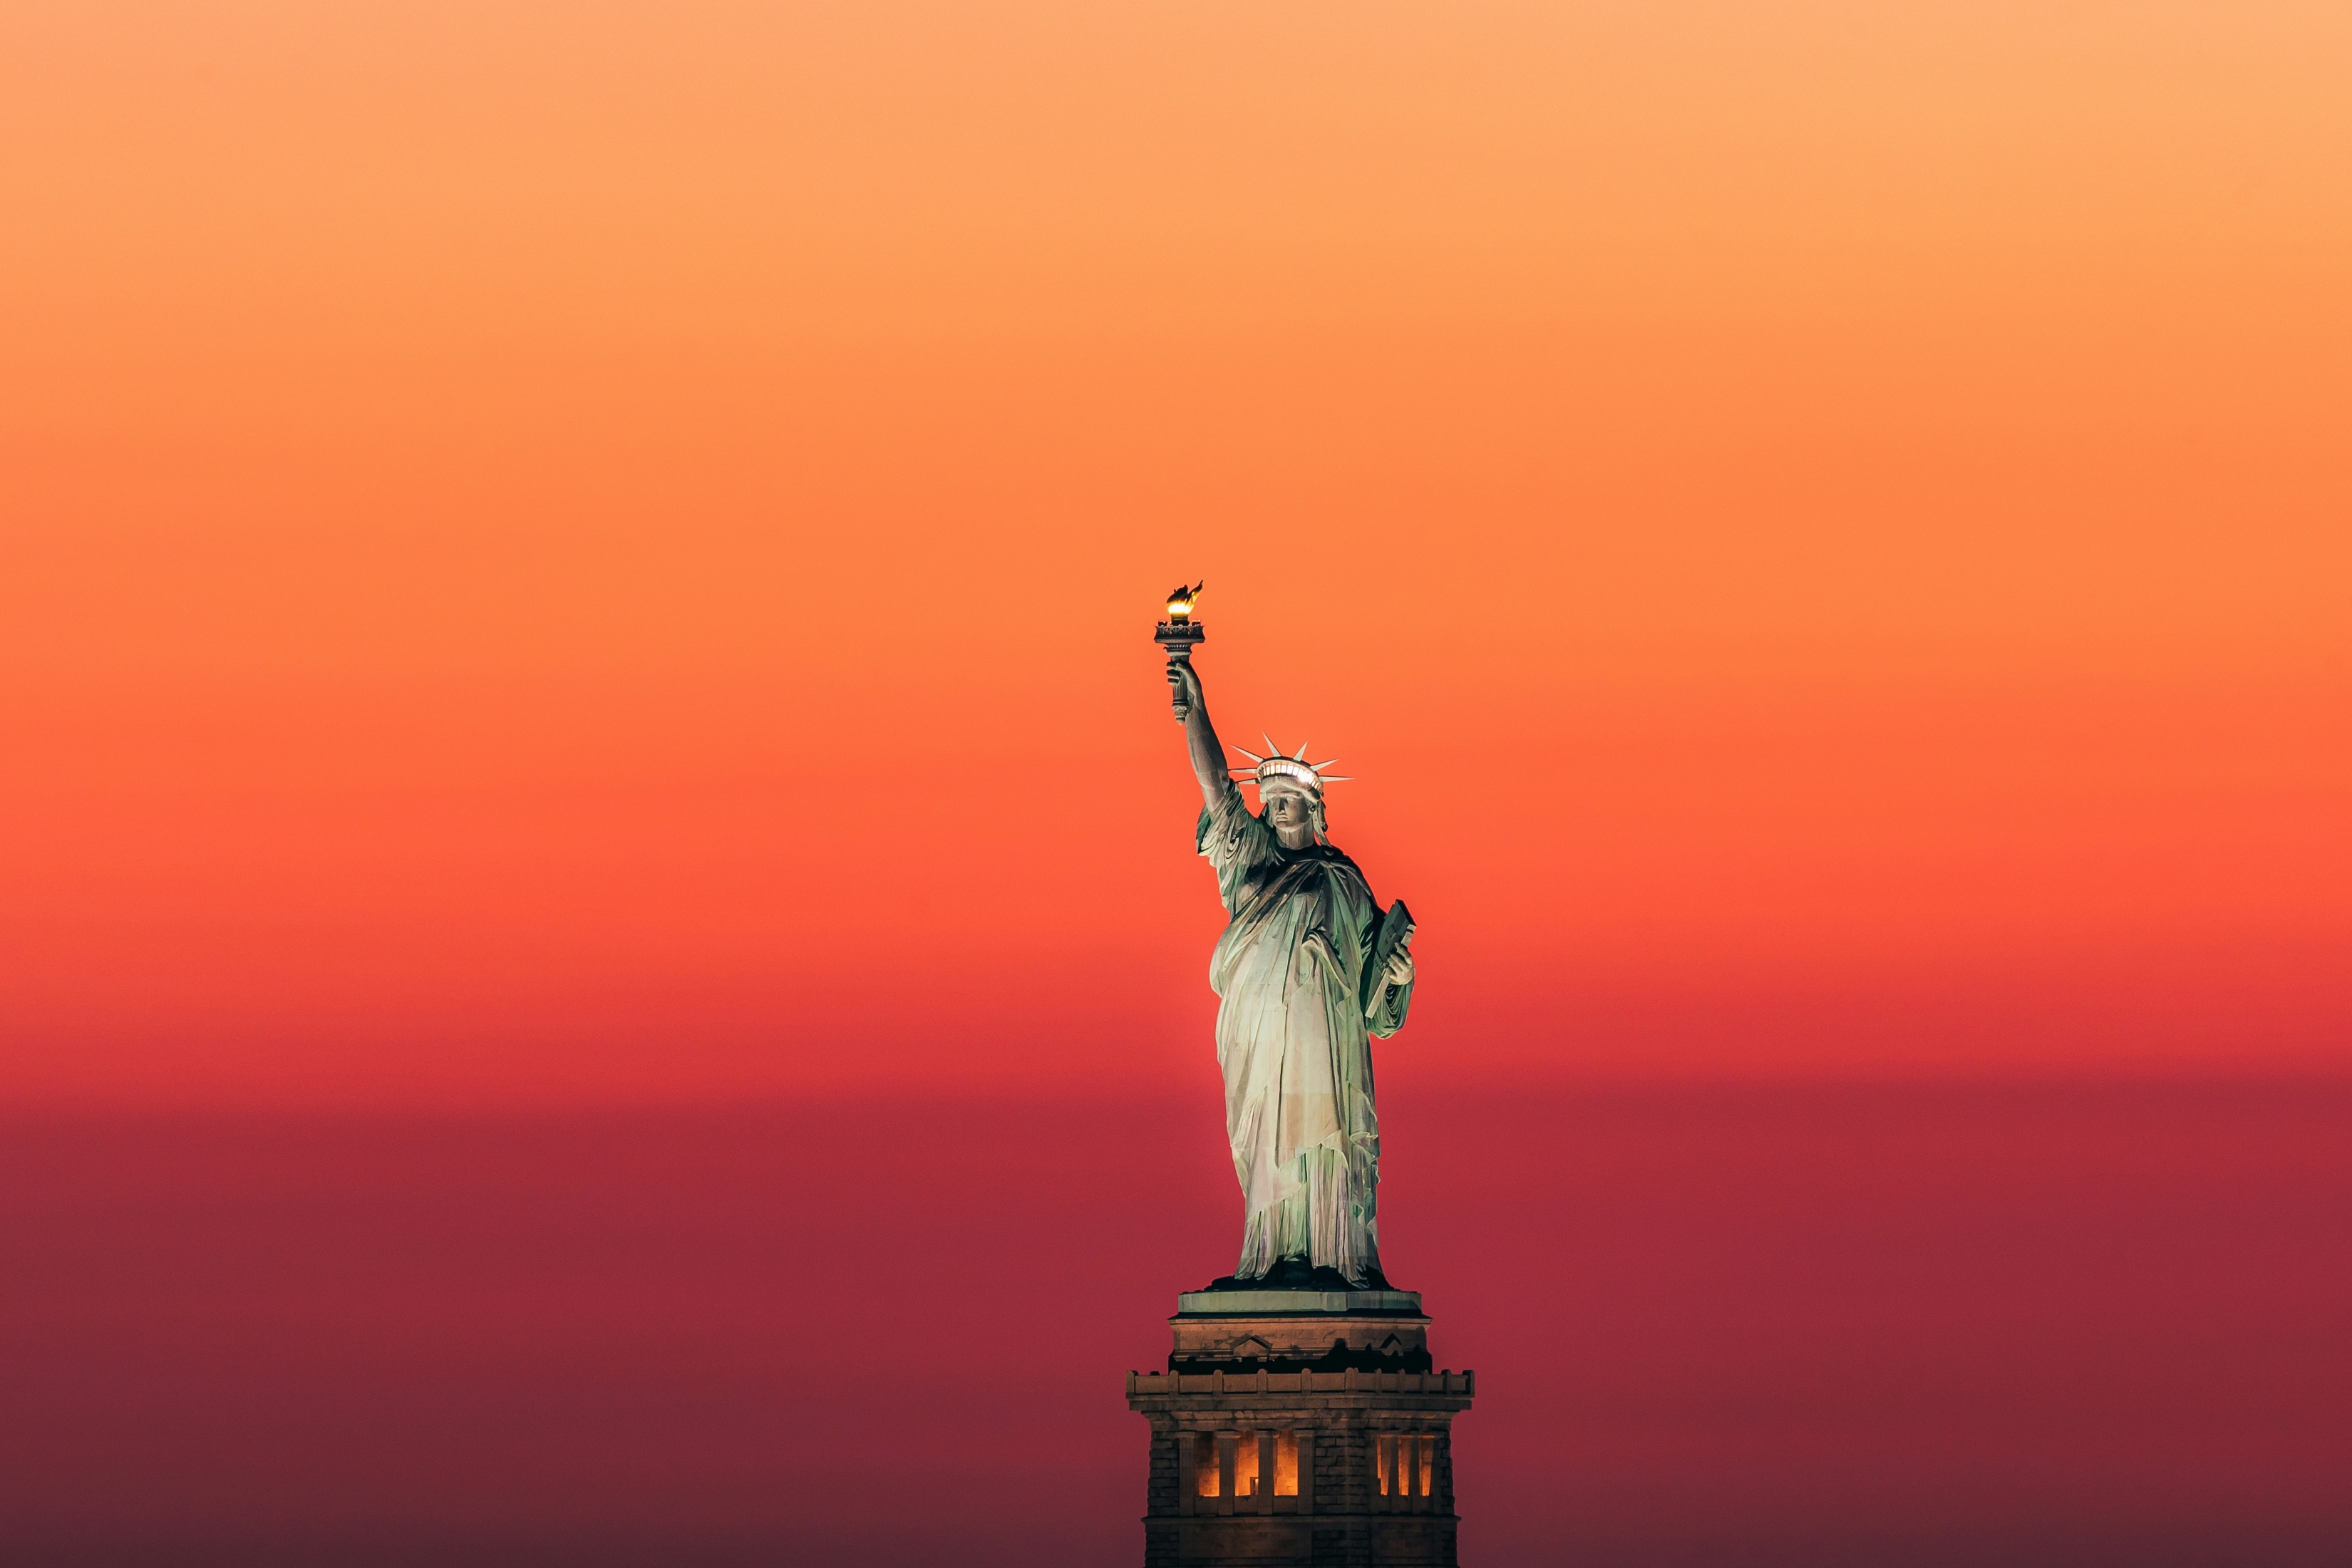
1180 603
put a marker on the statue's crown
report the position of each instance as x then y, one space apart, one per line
1277 771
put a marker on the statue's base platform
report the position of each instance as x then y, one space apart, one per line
1228 1303
1297 1318
1293 1330
1298 1426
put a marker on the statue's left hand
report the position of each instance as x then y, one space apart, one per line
1399 971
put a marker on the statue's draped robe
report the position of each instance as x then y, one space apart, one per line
1292 1039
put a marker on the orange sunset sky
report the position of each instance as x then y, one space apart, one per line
591 552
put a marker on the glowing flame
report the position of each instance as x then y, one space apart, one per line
1180 603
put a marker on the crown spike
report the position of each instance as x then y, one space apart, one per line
1277 765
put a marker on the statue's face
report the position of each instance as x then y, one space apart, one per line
1291 814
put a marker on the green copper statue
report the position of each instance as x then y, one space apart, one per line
1309 970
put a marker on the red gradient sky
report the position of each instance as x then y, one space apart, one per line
599 552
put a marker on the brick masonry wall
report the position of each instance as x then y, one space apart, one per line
1346 1420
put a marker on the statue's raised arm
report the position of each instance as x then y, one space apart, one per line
1208 753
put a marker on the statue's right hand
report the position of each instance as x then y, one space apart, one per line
1187 684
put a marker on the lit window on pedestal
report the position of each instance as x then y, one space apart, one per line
1407 1464
1202 1450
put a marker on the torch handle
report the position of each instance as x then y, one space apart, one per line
1177 641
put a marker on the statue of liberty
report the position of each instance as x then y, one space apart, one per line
1307 971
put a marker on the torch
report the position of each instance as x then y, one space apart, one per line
1178 635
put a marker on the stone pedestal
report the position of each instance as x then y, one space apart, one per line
1300 1426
